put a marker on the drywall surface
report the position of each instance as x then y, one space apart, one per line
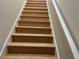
70 11
61 43
9 10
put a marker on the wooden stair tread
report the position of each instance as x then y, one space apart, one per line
43 35
35 38
39 8
34 16
36 3
31 44
35 12
35 21
29 56
30 48
33 27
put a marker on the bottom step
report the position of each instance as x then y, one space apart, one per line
31 48
29 56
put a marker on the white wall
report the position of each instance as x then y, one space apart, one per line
70 10
9 9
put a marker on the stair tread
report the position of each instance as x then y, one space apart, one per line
31 44
33 27
29 56
36 21
34 16
34 11
45 35
39 10
35 2
35 7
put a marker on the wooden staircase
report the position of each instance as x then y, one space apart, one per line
32 38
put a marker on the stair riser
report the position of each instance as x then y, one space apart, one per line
38 39
36 5
34 18
31 50
35 14
36 24
33 30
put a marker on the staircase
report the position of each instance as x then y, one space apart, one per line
32 38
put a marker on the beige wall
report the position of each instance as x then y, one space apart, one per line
70 11
9 9
60 37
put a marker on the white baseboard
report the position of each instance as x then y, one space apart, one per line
3 51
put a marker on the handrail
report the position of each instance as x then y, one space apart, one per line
66 31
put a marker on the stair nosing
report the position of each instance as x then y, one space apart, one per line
36 35
35 21
31 44
33 16
33 27
34 12
36 3
35 8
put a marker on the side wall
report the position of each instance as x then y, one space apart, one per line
70 10
9 10
60 39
